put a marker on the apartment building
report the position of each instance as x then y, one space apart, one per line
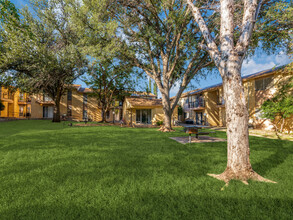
17 104
78 105
207 105
144 110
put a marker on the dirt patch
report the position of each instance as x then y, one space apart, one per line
202 139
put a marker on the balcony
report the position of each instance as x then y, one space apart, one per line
24 101
6 97
196 105
221 103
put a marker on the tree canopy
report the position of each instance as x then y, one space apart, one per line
160 38
42 57
110 81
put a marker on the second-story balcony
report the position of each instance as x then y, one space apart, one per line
221 103
6 97
23 101
196 105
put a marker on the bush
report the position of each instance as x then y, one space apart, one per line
2 107
159 123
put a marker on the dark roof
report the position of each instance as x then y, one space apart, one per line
253 75
185 94
84 90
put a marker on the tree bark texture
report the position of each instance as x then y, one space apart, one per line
228 59
56 113
167 127
238 164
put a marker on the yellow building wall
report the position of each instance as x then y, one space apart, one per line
12 107
211 108
222 112
77 105
157 114
93 111
63 105
36 108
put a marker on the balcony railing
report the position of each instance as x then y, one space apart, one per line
26 100
196 104
221 102
6 95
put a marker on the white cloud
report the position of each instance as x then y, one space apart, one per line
174 89
262 62
252 67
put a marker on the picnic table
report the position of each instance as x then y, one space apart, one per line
194 129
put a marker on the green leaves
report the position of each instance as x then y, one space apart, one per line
8 11
44 56
282 103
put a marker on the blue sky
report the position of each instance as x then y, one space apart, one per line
256 63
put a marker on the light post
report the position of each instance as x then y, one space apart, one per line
113 115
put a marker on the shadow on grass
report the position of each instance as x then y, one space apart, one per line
279 154
155 205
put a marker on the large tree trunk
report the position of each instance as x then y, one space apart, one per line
56 114
282 124
238 164
167 127
103 114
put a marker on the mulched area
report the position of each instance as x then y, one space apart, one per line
202 139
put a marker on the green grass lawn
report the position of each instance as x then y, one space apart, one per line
52 171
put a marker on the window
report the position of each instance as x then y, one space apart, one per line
21 111
263 84
45 112
69 95
144 116
108 114
85 99
137 116
21 96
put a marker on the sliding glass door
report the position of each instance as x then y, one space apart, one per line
144 116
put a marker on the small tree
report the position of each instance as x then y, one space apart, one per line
110 80
280 107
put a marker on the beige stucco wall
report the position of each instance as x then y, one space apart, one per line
211 108
157 114
36 108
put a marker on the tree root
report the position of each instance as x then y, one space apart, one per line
243 176
164 129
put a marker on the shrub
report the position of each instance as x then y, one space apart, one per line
1 106
159 123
